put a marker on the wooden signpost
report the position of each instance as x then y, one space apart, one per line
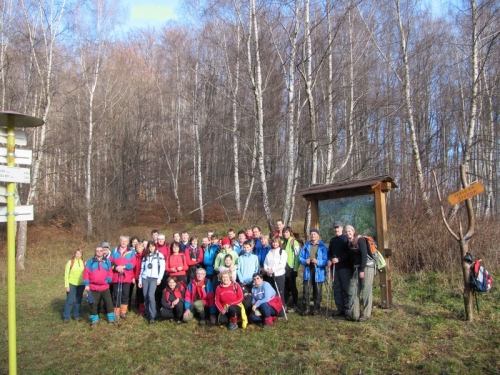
469 192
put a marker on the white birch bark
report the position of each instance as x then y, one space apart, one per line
196 123
43 32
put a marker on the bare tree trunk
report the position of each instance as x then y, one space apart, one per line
256 78
409 112
5 25
44 65
198 146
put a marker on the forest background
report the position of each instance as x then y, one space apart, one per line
216 119
223 116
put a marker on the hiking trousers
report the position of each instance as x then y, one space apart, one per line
361 294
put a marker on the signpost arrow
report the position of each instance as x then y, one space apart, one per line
21 213
15 174
469 192
3 195
21 139
22 156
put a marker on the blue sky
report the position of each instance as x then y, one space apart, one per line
154 13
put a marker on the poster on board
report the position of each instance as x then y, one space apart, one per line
357 211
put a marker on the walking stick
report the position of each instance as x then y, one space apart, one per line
119 291
328 294
279 295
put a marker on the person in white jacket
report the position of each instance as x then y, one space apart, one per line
152 270
274 267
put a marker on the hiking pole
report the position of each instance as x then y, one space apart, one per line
279 295
328 294
119 289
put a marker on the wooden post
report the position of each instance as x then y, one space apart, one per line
383 242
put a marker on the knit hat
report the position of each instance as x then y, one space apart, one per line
314 230
225 241
337 224
105 244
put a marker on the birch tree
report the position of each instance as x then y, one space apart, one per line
43 21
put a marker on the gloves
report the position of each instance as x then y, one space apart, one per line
108 279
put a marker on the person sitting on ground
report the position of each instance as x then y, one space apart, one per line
228 300
200 298
73 283
266 305
97 276
173 300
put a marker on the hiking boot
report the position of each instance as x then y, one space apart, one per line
202 322
65 321
266 326
93 323
337 313
314 312
152 321
123 316
179 322
291 309
232 326
363 319
78 319
305 312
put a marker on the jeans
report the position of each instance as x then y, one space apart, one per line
75 293
149 288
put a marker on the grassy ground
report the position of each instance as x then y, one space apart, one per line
423 334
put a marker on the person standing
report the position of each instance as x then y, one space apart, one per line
292 248
274 267
73 284
194 257
362 277
140 252
314 258
152 270
96 277
123 261
339 259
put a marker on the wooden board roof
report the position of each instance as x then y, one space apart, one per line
347 188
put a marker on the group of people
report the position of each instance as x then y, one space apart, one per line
244 277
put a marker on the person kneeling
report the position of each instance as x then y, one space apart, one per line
266 305
173 300
228 300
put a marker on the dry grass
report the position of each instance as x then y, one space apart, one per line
423 334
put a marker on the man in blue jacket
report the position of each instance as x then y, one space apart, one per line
314 258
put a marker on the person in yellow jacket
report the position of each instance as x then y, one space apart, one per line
73 284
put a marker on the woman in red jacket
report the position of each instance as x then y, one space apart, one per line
194 257
173 300
228 299
175 264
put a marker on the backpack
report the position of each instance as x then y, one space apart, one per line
479 278
373 253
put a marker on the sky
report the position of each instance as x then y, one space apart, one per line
155 13
150 13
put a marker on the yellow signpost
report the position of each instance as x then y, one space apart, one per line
469 192
11 120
